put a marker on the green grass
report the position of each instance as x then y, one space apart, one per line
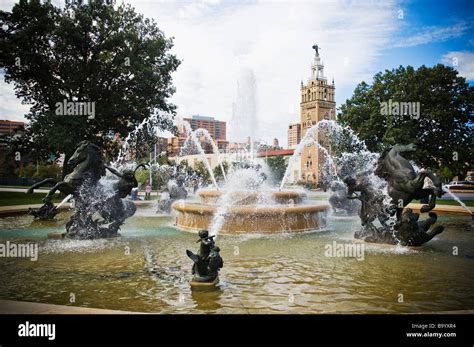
19 198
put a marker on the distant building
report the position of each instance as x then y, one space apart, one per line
317 103
294 135
275 143
275 152
237 147
8 127
174 145
217 129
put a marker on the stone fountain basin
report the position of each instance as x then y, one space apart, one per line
252 197
239 219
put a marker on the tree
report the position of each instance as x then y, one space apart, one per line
89 53
442 129
201 170
277 165
218 175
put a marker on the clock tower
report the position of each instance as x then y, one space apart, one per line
317 103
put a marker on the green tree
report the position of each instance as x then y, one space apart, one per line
442 130
218 175
201 170
277 165
86 52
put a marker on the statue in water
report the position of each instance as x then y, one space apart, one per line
207 262
404 184
90 197
339 201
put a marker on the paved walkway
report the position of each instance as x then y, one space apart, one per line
22 190
444 209
22 209
24 307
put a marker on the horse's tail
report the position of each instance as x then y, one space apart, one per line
139 166
41 183
381 169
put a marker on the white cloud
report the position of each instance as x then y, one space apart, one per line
462 61
274 39
216 40
434 34
10 107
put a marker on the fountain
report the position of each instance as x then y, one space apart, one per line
247 205
91 198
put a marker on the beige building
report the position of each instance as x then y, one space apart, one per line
317 103
294 135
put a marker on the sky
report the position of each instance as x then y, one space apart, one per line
218 41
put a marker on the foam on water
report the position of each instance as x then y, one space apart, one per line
77 246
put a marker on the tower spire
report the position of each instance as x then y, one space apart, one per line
317 67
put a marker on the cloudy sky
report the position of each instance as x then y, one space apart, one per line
218 39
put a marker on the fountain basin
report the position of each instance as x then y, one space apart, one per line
247 217
253 197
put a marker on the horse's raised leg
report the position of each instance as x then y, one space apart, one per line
432 192
40 184
61 186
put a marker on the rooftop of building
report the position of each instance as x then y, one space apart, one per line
205 118
275 152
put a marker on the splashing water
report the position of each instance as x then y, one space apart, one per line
192 137
66 199
244 182
459 201
356 154
215 149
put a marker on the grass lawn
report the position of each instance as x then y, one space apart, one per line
19 198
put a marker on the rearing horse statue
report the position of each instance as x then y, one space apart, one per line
404 183
86 163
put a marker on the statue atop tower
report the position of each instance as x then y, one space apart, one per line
316 48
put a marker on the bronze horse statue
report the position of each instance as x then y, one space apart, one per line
404 183
90 196
86 164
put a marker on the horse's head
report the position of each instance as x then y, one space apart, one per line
350 181
410 148
80 154
88 153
